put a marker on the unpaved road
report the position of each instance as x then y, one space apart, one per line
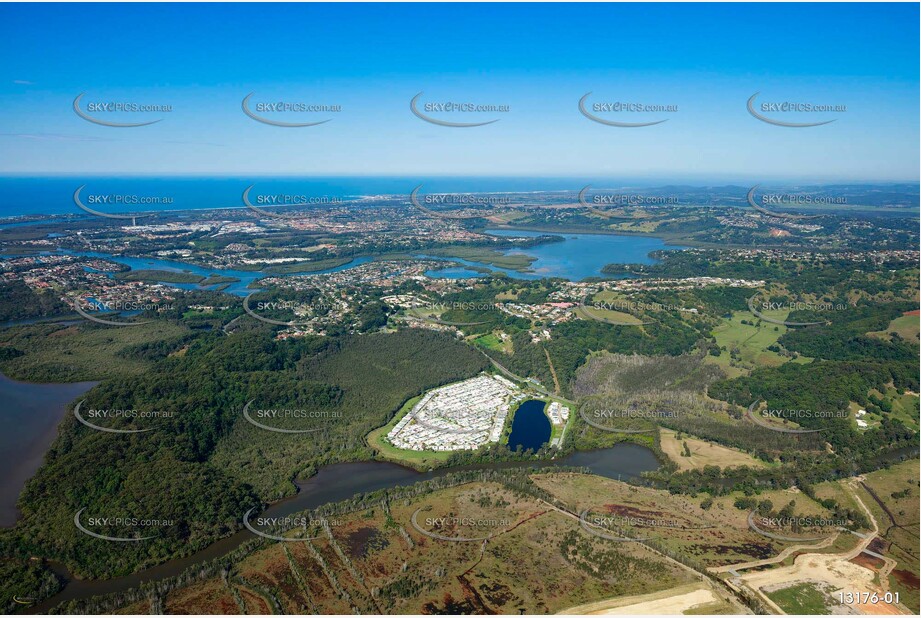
834 569
667 602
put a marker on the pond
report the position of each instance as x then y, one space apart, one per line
530 427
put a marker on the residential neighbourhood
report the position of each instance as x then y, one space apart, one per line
460 416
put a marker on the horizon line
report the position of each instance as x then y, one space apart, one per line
536 176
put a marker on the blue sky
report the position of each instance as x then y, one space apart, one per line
537 59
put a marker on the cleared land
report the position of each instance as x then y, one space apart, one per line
746 345
485 255
906 326
606 315
703 453
831 571
374 561
812 598
898 516
675 601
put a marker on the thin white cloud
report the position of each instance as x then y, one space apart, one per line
61 137
23 82
57 137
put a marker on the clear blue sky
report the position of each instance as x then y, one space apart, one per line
538 59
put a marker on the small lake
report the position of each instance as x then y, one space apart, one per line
30 415
530 427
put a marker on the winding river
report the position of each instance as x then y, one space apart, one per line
338 482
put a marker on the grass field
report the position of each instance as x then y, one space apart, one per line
305 267
606 315
747 345
433 311
905 407
703 453
907 326
805 598
508 216
641 227
490 342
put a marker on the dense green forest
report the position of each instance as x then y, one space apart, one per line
203 466
20 302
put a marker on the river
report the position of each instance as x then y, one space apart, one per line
338 482
575 258
30 415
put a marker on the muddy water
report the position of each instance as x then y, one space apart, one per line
29 415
